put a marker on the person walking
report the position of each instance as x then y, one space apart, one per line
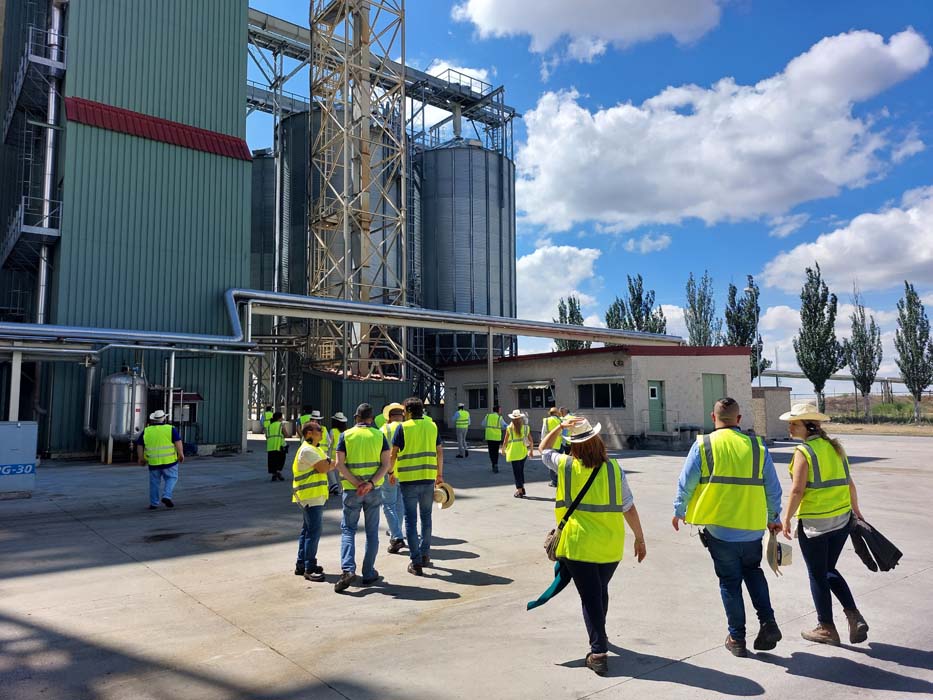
823 498
362 461
729 487
276 449
551 421
418 464
593 538
517 446
266 418
159 446
309 491
565 416
462 424
494 424
392 504
338 423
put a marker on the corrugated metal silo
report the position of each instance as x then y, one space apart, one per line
468 206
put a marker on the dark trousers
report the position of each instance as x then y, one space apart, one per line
735 563
592 582
518 471
821 554
494 446
275 461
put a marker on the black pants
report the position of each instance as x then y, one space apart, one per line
518 471
592 582
494 446
821 554
275 461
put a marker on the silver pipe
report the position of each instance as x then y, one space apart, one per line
89 379
490 382
171 384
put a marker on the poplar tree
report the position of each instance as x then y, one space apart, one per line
819 354
569 312
640 313
914 348
742 316
703 328
863 350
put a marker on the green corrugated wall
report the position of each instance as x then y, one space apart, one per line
153 234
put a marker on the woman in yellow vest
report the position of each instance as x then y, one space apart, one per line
517 446
823 497
309 491
276 449
592 541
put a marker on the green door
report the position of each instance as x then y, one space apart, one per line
714 388
656 413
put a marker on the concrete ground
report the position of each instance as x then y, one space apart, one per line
100 598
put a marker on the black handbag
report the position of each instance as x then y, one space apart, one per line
553 537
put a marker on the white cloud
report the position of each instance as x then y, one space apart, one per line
779 319
676 325
648 243
552 272
878 250
724 153
590 23
783 226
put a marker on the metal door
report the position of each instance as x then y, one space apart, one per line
656 408
714 388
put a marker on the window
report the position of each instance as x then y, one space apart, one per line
601 395
476 398
539 397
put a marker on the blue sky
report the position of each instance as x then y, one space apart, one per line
811 120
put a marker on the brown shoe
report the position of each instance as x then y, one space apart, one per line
395 546
823 633
736 646
858 628
598 663
425 560
347 578
415 569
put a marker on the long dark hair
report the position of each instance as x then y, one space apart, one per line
591 452
814 428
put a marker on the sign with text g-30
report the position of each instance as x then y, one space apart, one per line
17 469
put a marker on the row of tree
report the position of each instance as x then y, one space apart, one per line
819 353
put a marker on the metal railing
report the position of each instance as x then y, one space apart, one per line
46 47
40 216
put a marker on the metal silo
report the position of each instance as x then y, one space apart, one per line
468 209
295 149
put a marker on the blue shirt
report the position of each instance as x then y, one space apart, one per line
690 479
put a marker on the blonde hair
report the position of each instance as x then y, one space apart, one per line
815 429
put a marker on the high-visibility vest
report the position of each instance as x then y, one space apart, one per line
493 425
364 453
595 531
302 419
274 439
417 461
731 492
330 440
462 419
550 423
515 446
158 446
827 493
389 430
379 421
266 417
310 484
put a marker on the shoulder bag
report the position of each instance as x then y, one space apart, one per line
553 537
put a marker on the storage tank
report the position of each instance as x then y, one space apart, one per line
122 413
468 223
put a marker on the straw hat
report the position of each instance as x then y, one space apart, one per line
158 416
339 416
583 431
460 405
392 407
316 415
805 411
778 555
516 414
444 495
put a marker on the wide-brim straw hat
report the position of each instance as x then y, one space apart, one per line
158 416
316 415
583 431
392 407
805 411
444 495
339 416
516 414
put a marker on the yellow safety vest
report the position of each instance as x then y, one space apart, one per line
266 417
380 421
364 454
331 438
158 446
274 439
827 493
389 430
550 423
595 531
418 460
515 446
731 492
310 484
462 419
493 425
302 419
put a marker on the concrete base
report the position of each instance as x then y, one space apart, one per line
101 598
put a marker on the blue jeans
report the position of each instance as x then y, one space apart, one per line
736 562
313 520
418 499
156 476
821 554
352 505
394 509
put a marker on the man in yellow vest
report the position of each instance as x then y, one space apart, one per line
362 462
393 507
494 424
550 422
304 418
418 464
161 448
462 425
730 488
309 491
265 418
